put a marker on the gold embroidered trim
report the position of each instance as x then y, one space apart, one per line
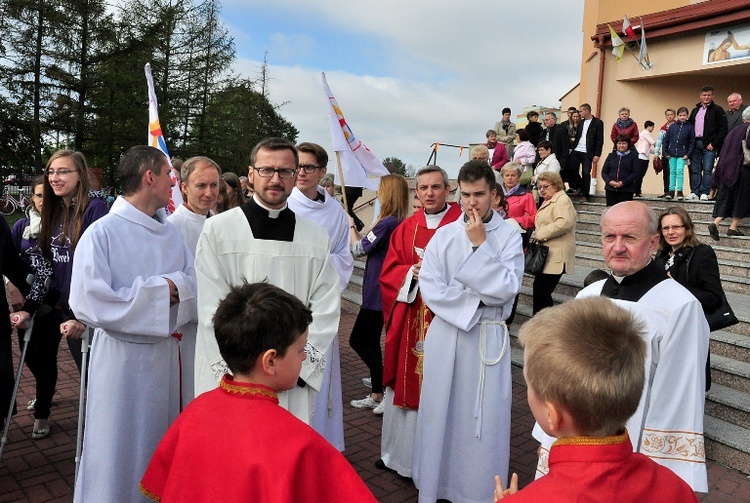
543 465
613 440
247 389
148 493
676 445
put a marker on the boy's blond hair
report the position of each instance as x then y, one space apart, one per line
588 357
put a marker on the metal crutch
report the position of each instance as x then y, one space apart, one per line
87 336
44 309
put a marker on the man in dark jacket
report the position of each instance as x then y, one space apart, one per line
585 153
710 123
558 136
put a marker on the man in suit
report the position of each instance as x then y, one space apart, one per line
558 135
734 113
585 153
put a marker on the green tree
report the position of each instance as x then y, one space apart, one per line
395 165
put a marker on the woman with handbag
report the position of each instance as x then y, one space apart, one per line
690 263
556 229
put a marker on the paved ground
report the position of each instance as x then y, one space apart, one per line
42 471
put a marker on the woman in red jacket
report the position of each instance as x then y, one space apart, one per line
521 204
624 125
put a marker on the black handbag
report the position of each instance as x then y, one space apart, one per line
535 258
722 317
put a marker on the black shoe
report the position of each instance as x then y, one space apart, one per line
732 232
574 192
380 465
714 232
663 196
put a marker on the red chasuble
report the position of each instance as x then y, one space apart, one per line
406 324
595 469
236 444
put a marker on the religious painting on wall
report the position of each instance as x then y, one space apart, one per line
727 44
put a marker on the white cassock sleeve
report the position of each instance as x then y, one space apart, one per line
133 310
342 259
454 279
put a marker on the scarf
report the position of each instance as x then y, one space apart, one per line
512 190
35 224
624 124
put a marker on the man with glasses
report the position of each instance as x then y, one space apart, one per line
312 201
265 240
668 425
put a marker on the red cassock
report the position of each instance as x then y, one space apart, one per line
596 469
406 324
236 444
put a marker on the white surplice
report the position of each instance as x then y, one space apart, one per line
463 423
668 425
118 286
227 253
328 417
190 225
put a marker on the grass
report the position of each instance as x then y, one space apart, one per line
11 219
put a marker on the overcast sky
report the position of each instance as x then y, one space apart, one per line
407 74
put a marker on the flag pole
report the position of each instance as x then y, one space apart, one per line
343 186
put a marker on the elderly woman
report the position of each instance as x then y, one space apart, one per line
624 125
620 172
548 160
521 205
556 229
732 178
524 153
499 154
690 263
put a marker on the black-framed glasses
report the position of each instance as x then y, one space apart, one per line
59 172
309 168
269 172
668 228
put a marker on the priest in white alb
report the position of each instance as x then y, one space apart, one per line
470 275
668 425
133 280
200 186
310 200
264 240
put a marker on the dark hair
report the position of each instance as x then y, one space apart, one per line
572 109
545 144
320 154
648 124
55 214
135 162
254 318
586 106
682 109
506 110
531 114
274 144
476 170
523 135
706 89
625 138
232 180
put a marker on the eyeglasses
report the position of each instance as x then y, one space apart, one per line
282 172
544 187
59 172
309 168
668 228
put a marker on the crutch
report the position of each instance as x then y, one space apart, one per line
87 336
43 309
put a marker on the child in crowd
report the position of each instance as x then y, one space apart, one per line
585 371
678 146
236 443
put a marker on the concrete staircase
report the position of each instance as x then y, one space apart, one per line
727 413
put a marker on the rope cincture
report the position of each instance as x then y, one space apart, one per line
483 362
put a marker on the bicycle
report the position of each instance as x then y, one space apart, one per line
9 204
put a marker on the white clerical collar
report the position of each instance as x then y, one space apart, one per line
433 220
271 212
620 278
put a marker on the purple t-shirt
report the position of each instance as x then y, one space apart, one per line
375 245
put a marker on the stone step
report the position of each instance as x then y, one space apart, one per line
731 373
727 443
729 404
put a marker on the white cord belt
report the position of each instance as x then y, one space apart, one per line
483 362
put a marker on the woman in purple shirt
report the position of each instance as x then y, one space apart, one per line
69 206
393 195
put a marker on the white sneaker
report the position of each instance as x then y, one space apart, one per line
692 197
32 404
704 197
366 403
380 409
367 382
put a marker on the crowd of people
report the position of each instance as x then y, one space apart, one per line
232 321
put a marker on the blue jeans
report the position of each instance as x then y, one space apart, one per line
701 167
